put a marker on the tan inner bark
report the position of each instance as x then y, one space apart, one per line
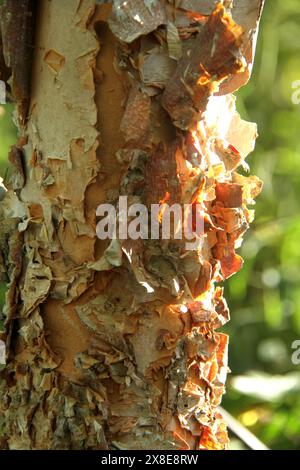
96 361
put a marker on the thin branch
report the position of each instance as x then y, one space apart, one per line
241 432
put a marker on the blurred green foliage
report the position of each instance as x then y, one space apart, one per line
7 136
264 298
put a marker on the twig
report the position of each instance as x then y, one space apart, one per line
241 432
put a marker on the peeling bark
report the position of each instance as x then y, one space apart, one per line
115 346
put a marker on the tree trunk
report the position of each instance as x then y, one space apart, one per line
113 344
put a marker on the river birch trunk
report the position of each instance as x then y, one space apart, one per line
116 344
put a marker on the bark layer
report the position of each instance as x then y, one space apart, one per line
114 346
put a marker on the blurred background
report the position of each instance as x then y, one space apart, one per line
264 298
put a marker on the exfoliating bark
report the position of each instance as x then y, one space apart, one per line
113 344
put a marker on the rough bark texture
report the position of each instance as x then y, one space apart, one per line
115 347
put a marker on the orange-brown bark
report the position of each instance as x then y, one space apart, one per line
115 345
